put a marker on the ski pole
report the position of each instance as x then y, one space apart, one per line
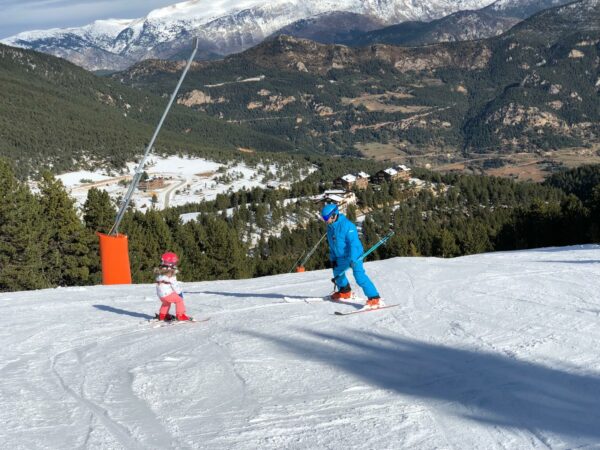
382 241
300 268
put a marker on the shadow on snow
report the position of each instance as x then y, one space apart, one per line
122 312
254 295
355 304
488 388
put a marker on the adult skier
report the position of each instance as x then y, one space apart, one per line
344 250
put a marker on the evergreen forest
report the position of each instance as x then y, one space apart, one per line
46 242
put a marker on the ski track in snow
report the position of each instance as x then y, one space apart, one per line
493 351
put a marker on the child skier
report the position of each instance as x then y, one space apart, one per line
169 289
344 250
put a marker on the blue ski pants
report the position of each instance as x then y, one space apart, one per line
339 273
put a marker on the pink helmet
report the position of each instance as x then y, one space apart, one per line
169 259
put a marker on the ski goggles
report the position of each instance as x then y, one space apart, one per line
333 212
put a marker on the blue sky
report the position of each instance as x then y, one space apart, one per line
25 15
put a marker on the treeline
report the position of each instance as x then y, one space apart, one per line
46 242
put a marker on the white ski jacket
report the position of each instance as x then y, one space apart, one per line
167 285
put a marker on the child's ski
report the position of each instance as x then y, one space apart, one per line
365 309
161 323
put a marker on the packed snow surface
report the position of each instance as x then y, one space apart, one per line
489 351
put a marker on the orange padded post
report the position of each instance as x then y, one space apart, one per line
300 269
114 256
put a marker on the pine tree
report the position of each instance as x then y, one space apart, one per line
149 237
595 214
98 215
98 211
194 262
351 213
444 244
21 241
225 253
67 258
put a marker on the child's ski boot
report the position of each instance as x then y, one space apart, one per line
164 317
183 318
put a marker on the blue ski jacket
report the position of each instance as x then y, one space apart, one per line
344 243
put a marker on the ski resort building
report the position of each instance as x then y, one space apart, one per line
404 171
152 184
398 173
349 181
340 197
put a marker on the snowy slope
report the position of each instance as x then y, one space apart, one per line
223 27
489 351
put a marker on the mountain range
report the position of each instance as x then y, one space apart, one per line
58 116
360 30
233 26
533 88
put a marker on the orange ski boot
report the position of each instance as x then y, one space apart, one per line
374 302
344 293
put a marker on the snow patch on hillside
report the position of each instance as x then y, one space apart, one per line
187 180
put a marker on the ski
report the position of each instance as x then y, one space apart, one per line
304 299
161 323
365 309
327 298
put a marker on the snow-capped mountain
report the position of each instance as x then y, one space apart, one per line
522 8
223 27
460 26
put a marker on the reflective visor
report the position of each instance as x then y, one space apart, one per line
327 216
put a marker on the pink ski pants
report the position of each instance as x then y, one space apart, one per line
172 298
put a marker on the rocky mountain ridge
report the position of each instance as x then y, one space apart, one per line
223 28
534 88
466 25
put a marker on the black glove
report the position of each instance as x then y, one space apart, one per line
333 264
